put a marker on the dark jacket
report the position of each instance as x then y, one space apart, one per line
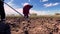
4 28
26 9
1 3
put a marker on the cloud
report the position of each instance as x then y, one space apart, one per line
51 4
9 11
56 4
10 1
43 0
41 12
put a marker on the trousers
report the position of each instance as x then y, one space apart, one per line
2 13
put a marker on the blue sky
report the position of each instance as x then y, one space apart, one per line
39 6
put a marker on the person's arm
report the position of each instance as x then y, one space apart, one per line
31 6
1 0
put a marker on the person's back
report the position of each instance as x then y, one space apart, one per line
26 9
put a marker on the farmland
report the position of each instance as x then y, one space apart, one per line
37 25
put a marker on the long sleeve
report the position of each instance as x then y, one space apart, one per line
1 2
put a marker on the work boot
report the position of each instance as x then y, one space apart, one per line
3 20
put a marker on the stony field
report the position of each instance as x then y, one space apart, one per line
36 25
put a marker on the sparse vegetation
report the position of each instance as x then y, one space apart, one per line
37 25
57 14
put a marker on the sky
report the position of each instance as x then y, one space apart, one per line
41 7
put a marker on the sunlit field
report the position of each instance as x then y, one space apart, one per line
37 25
44 16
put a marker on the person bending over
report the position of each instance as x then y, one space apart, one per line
26 9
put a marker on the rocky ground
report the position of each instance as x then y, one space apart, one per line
41 25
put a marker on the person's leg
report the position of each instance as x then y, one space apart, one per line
26 16
2 15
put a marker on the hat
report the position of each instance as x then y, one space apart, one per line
25 4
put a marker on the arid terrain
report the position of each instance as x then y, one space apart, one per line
37 25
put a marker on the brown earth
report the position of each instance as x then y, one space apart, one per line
41 25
